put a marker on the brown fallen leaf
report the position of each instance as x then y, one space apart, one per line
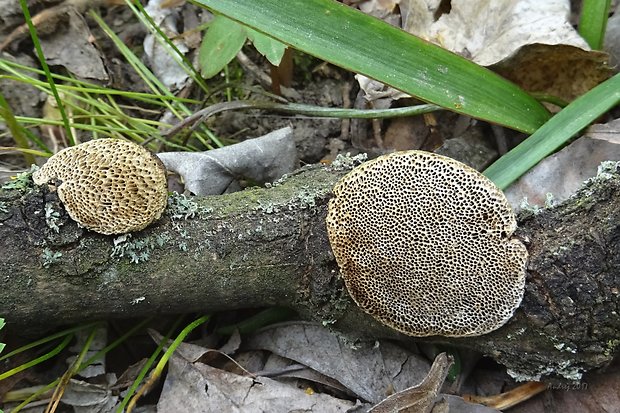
562 71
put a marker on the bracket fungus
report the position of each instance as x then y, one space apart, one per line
424 245
110 186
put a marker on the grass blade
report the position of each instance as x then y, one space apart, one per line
551 136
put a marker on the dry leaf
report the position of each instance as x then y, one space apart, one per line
196 387
566 72
370 371
71 47
489 31
262 160
161 59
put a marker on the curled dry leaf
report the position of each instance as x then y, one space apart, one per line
262 160
202 388
368 371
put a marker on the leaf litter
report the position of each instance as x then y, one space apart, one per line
274 371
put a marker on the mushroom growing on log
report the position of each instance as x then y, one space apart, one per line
424 245
109 186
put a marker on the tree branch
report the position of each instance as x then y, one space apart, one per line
264 247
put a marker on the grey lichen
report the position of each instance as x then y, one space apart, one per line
277 182
563 369
49 257
606 170
550 201
529 209
52 217
182 207
138 250
162 239
346 162
267 207
304 199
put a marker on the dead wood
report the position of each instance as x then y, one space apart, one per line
265 247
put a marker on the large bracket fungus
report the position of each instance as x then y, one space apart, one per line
110 186
424 245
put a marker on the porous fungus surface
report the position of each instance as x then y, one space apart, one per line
110 186
424 245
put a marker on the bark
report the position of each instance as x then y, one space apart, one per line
264 247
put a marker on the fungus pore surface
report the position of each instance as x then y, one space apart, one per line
424 245
110 186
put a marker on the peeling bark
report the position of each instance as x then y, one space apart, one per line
264 247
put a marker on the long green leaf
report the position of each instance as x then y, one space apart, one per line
363 44
593 21
563 126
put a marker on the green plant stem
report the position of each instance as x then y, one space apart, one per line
71 371
46 69
144 370
40 359
47 339
156 373
302 109
88 362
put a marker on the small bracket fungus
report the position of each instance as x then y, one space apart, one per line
423 244
110 186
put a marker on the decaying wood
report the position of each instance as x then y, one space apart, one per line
265 247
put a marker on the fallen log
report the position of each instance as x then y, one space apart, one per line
268 246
